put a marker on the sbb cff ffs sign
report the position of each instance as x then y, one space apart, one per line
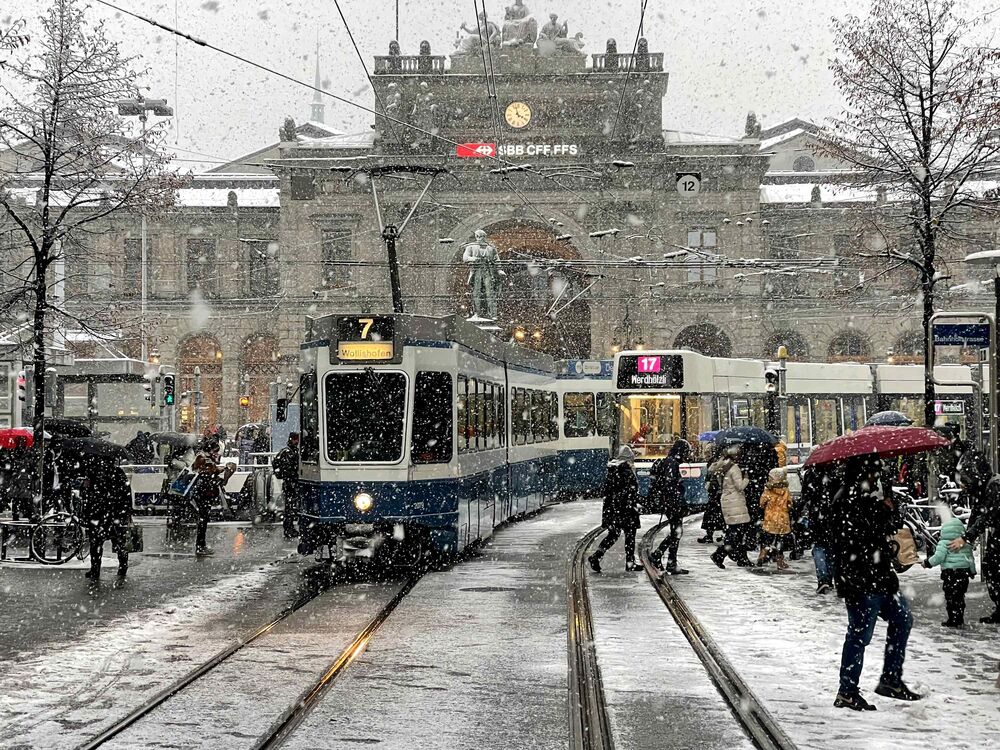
476 150
650 372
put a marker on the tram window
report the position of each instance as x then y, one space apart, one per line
517 416
607 414
854 413
579 418
502 415
432 400
309 416
364 415
826 423
539 417
473 407
797 429
491 416
463 414
553 399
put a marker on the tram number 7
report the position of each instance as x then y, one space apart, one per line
366 326
649 364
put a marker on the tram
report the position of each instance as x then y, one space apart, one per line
588 420
420 435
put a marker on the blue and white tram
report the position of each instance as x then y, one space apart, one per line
588 420
419 434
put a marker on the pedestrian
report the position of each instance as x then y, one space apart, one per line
666 496
107 510
207 488
819 485
947 458
712 521
863 525
983 488
777 503
286 468
140 449
620 512
957 569
734 510
19 475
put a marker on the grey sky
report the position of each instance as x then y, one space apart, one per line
725 57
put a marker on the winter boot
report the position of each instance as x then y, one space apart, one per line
855 703
719 558
595 562
762 557
656 557
707 539
900 692
993 619
949 623
631 565
782 565
204 552
673 569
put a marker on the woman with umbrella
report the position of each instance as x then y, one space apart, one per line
734 509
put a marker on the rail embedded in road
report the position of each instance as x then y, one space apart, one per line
588 713
748 710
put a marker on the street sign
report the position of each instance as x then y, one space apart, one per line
476 150
949 408
689 183
970 335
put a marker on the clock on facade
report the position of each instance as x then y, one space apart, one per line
518 114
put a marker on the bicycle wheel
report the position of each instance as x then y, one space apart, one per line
57 538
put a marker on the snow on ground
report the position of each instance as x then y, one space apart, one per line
474 657
57 697
785 641
657 691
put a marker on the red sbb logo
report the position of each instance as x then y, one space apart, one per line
476 150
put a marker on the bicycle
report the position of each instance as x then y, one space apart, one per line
57 538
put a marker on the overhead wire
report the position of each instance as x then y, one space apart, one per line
628 73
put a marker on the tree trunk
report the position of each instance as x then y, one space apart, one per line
39 362
927 285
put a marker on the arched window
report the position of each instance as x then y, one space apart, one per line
705 338
849 346
794 342
909 348
204 352
258 369
804 164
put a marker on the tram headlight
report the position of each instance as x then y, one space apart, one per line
363 502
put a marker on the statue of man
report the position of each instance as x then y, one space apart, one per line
484 275
553 29
472 43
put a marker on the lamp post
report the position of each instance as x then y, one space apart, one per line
140 108
991 258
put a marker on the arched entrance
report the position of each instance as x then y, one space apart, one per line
706 339
849 346
541 304
259 368
201 351
794 343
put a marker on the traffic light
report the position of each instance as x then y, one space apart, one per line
281 410
147 386
244 401
771 381
22 386
168 390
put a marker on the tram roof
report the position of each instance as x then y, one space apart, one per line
414 330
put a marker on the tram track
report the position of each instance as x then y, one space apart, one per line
292 716
590 728
746 707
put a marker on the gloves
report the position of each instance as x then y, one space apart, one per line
926 563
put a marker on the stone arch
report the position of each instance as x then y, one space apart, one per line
849 346
204 352
793 341
533 287
259 367
706 338
908 348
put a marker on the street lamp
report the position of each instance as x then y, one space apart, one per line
140 108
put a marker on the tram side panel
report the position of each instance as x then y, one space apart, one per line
534 429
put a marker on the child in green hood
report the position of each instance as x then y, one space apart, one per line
957 568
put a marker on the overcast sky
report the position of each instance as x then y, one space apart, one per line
725 57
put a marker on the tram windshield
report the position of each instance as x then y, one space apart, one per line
651 424
365 416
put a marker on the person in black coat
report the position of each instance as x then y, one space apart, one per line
620 512
819 486
107 510
712 520
666 496
860 533
983 488
286 468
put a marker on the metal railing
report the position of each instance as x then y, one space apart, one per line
409 64
625 62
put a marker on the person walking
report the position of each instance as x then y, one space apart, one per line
286 468
107 510
957 569
734 510
983 488
19 475
712 520
819 485
863 550
209 483
620 512
666 496
776 501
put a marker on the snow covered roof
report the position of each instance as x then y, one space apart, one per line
801 192
687 138
363 139
246 197
768 143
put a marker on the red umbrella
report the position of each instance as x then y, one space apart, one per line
877 441
10 435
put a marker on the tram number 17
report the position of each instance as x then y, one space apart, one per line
648 364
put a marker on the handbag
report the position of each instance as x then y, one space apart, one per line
907 554
183 483
133 539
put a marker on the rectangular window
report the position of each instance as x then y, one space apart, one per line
502 415
703 270
132 268
432 401
607 414
336 255
77 267
364 416
202 272
539 417
826 423
302 187
579 418
472 404
309 416
520 416
491 416
552 399
262 268
463 414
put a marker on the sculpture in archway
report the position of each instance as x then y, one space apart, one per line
484 275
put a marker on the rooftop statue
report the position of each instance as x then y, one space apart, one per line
467 41
484 275
553 29
519 26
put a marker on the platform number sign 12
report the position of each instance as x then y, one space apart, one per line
689 183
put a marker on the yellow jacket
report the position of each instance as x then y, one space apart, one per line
776 499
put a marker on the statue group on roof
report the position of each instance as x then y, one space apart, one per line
520 29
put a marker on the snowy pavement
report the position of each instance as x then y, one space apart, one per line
785 641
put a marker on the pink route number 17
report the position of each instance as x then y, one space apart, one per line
649 364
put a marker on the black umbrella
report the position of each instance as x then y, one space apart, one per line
175 439
89 447
889 419
63 427
746 434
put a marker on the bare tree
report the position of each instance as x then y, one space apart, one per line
922 109
69 163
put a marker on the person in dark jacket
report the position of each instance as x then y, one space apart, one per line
107 510
286 468
713 520
19 474
983 488
666 496
140 449
860 536
819 486
211 479
620 512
